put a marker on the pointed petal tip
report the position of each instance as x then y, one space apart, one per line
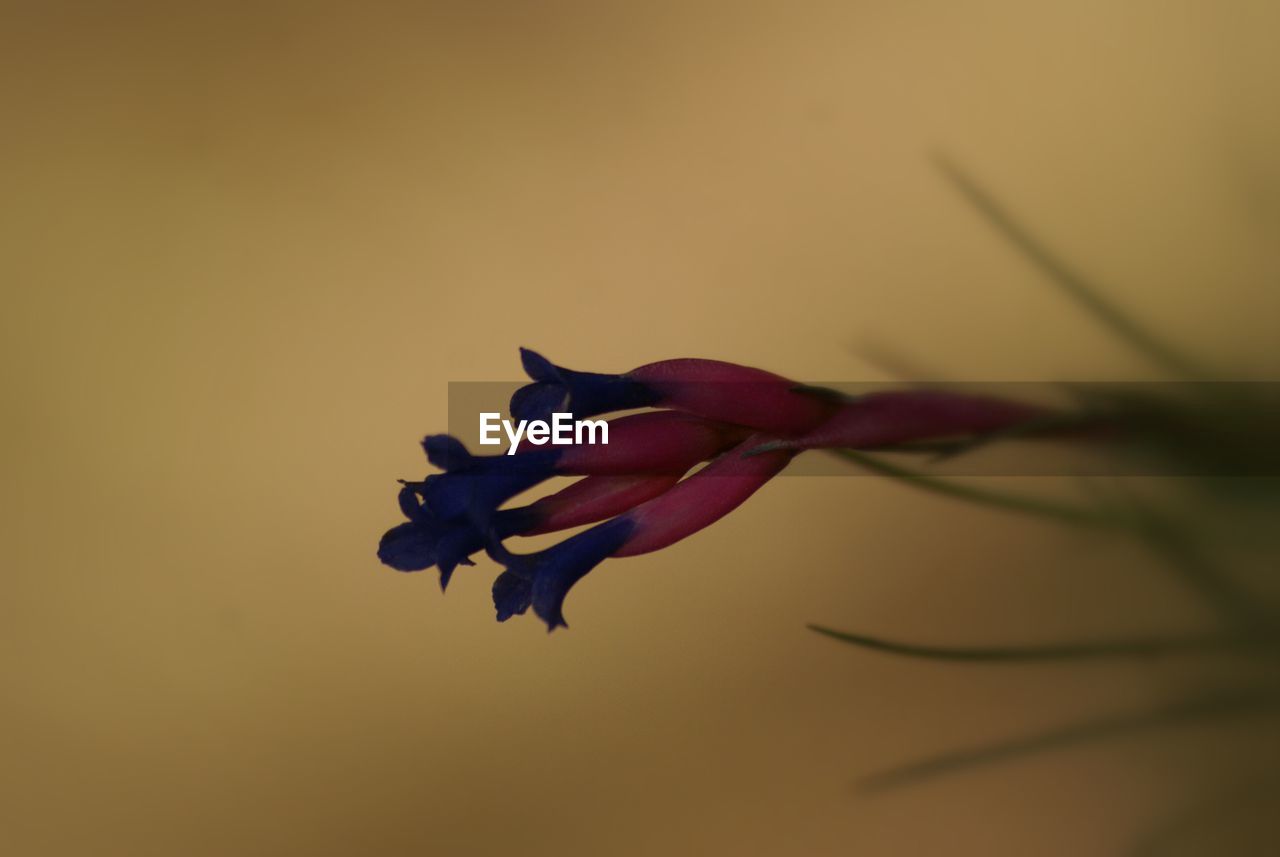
538 367
446 452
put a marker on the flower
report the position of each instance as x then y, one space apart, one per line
713 389
655 442
451 514
426 540
543 579
748 422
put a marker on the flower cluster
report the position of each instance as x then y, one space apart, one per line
746 423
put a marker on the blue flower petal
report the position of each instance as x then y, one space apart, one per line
568 562
538 401
427 540
446 570
583 394
458 540
447 452
553 572
488 482
410 505
407 547
512 595
538 367
420 544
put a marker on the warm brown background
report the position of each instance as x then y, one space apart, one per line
246 245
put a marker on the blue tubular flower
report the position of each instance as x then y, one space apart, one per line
583 394
426 540
451 515
651 443
544 578
472 485
416 546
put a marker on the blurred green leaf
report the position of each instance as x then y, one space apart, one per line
1085 293
1134 648
1209 814
1190 709
1084 516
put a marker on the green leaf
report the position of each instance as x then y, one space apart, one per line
1210 814
1082 516
1134 648
1082 291
1187 710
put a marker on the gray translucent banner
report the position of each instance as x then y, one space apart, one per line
1205 429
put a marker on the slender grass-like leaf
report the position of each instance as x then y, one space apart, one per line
1209 814
1086 294
1191 709
1063 512
1134 648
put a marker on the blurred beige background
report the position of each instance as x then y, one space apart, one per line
246 246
